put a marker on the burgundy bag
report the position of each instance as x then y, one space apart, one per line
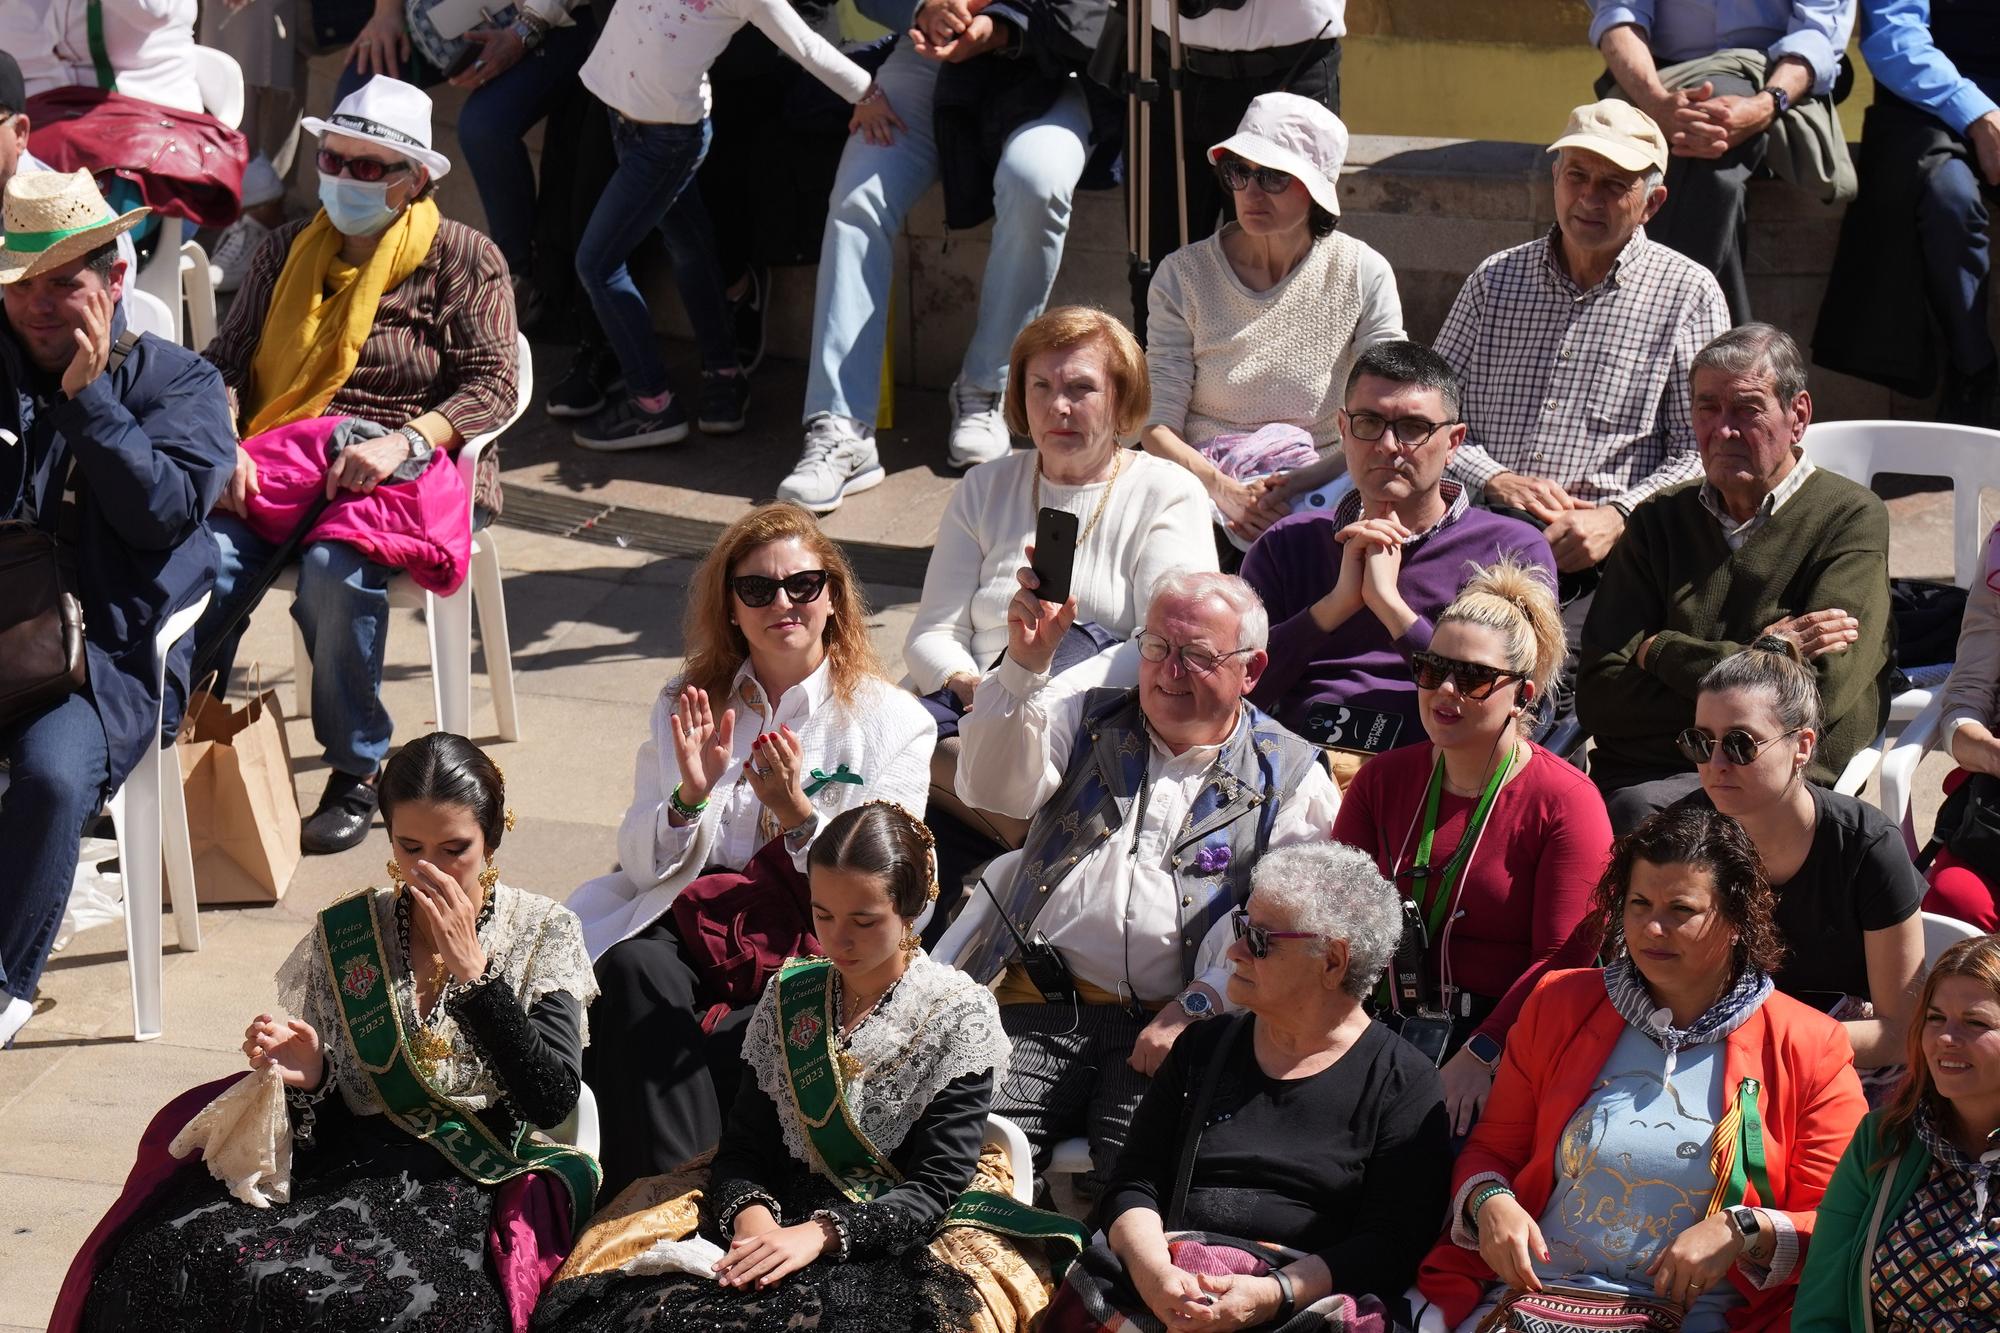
186 164
737 927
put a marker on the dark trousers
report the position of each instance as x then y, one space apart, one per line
58 769
1212 107
1574 591
663 1086
1631 795
1706 216
1069 1075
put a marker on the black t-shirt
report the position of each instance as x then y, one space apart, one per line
1352 1163
1856 878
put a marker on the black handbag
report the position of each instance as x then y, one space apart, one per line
41 618
1968 823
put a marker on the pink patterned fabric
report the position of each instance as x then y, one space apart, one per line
530 1239
422 527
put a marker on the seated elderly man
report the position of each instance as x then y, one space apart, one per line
379 309
1915 260
1739 87
1574 350
1354 592
1150 806
1767 544
117 445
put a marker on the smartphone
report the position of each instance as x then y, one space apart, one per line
1055 554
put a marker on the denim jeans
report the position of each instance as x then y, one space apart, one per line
1952 221
496 117
874 190
58 768
653 189
342 609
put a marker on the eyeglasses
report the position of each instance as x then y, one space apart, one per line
1236 174
367 170
1200 661
1257 938
802 587
1409 430
1475 680
1738 746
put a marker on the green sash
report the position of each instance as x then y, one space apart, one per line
351 945
806 1027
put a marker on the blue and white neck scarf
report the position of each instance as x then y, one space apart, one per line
1635 1005
1945 1150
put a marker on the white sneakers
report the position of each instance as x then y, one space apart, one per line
839 461
978 426
239 245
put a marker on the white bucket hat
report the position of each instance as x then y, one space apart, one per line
1293 134
391 113
53 217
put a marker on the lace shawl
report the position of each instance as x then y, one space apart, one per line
938 1025
532 942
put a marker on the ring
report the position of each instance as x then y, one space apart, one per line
479 64
1694 1286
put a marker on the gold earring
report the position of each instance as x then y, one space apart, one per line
489 877
396 880
508 822
910 943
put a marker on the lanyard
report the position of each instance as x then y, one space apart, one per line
1454 869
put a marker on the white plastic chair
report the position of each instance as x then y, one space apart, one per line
580 1129
178 270
1007 1136
1970 459
147 313
220 79
449 619
1940 933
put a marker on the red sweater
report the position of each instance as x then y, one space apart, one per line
1529 884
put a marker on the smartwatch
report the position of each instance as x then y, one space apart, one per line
420 448
1484 1049
1196 1004
1782 98
1746 1223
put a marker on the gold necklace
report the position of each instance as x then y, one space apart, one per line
1117 466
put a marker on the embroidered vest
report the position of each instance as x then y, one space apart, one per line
1212 854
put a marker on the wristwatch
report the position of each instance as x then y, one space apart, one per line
1196 1004
1746 1223
420 448
1782 98
1484 1049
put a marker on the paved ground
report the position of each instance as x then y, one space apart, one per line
595 631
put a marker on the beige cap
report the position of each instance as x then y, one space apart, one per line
1618 132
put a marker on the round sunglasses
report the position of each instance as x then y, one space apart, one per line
367 170
1257 938
1475 680
802 587
1236 174
1738 746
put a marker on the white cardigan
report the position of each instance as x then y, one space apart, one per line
1155 521
885 736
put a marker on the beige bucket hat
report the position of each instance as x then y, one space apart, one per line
53 217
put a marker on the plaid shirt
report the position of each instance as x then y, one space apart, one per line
1586 388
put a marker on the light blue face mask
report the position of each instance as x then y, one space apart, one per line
356 208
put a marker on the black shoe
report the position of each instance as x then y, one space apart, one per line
583 391
724 400
746 319
626 425
346 811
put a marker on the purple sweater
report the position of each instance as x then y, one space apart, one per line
1295 563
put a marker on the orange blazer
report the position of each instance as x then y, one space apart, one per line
1810 1102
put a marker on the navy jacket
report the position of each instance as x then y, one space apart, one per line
154 449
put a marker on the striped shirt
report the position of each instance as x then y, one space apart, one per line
1588 389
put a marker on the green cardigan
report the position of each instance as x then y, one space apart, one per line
1839 1258
1672 575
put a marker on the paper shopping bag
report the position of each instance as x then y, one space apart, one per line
243 813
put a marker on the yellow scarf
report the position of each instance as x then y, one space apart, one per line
311 338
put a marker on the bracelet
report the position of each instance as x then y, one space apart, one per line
1287 1302
874 94
531 29
682 808
1479 1200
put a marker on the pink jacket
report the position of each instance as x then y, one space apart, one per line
422 527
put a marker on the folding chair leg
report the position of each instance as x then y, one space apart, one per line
198 286
174 841
491 601
135 814
450 623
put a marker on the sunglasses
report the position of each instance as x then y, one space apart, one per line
1257 938
1236 174
1738 746
802 587
1200 661
1475 680
364 169
1371 426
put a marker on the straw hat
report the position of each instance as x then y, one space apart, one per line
53 217
388 112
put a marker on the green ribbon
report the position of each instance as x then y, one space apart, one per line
1748 1167
806 1028
34 242
351 946
821 778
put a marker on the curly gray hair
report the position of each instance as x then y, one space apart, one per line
1334 891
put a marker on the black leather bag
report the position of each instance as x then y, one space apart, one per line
1969 824
41 622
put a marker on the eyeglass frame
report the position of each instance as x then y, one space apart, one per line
1693 738
1262 176
1394 426
1249 933
1449 669
1181 650
343 166
736 582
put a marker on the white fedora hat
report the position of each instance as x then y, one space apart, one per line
1292 134
388 112
53 217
